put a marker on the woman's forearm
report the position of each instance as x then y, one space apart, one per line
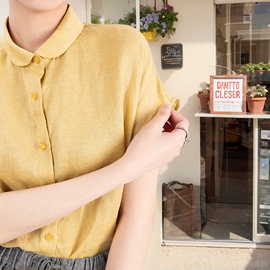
26 210
134 229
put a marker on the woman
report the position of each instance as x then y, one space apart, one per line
78 164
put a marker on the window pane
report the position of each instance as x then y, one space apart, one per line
110 11
221 208
242 35
263 218
226 146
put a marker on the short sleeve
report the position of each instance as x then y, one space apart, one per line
152 94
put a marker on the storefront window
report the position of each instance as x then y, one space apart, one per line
109 12
221 208
229 205
227 150
242 35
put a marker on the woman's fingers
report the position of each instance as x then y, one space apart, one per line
161 117
159 141
178 120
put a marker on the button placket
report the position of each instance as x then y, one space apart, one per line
41 140
37 72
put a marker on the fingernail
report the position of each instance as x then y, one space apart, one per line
167 106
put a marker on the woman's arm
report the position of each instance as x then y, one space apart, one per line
26 210
134 229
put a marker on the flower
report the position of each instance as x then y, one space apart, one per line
167 17
256 91
162 20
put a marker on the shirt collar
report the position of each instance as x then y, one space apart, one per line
63 37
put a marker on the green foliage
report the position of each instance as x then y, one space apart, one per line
162 20
129 18
254 67
167 18
100 20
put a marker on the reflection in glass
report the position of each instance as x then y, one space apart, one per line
242 34
263 210
222 204
108 12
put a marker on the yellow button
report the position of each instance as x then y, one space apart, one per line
34 95
42 145
36 59
48 237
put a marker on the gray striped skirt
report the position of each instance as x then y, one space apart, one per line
18 259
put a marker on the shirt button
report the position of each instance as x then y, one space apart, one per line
34 95
36 59
42 145
48 237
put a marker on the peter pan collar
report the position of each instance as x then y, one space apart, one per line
58 43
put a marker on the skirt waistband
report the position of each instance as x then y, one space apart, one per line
16 258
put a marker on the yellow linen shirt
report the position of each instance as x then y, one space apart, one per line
69 109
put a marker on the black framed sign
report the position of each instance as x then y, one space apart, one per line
228 94
172 56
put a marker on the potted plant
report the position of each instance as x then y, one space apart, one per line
256 72
204 96
256 96
252 67
159 22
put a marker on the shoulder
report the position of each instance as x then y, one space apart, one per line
1 45
2 51
115 36
116 30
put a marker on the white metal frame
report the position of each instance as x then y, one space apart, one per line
258 240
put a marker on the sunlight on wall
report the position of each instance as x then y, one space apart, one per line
3 14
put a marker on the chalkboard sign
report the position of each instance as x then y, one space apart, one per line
171 56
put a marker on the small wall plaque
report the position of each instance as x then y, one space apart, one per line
172 56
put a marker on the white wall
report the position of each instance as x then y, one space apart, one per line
78 5
3 14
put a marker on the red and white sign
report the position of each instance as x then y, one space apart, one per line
228 94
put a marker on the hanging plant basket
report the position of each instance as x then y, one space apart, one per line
150 35
162 20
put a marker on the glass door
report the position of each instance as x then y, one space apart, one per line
262 206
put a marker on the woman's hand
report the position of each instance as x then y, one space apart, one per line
159 141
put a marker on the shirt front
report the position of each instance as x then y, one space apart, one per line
69 109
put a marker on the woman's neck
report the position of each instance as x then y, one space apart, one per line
29 29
